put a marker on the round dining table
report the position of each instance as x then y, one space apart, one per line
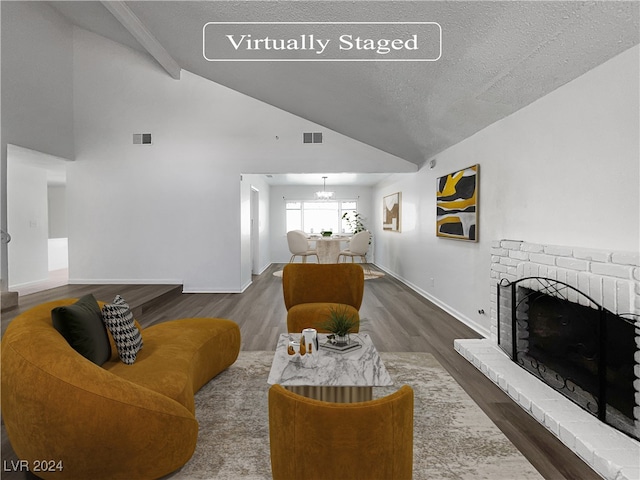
328 248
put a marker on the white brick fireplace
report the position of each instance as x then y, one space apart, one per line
610 278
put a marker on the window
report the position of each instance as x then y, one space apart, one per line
316 216
294 216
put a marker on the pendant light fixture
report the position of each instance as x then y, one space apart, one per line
324 195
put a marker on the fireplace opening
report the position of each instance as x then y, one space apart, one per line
574 345
564 336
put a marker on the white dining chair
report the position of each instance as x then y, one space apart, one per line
358 247
299 246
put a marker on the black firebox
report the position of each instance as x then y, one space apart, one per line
573 344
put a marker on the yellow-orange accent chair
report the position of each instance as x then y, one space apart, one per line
312 290
318 440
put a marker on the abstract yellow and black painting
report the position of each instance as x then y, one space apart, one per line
457 205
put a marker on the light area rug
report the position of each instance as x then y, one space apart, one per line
368 274
453 438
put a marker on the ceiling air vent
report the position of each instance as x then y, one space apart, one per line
315 137
142 139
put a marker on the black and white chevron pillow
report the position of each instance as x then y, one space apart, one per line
119 320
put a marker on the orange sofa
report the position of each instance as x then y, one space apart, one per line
114 421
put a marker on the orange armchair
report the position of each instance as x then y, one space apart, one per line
312 439
312 290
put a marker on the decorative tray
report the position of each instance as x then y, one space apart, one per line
340 348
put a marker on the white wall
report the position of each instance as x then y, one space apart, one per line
58 253
27 221
563 170
264 260
279 247
57 200
58 232
37 92
173 211
37 87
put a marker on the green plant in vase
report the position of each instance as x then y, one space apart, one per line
339 323
355 222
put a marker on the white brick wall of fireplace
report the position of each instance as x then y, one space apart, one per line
610 278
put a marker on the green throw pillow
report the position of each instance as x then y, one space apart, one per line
81 325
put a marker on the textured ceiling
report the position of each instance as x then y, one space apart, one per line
497 58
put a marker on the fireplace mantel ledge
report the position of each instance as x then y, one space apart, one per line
610 453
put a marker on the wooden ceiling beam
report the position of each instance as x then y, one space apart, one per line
134 25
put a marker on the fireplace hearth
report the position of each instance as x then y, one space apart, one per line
573 344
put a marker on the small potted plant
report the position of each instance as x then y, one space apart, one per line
339 323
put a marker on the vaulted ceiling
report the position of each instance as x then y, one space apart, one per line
497 57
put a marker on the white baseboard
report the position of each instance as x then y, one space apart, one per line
124 281
262 270
154 281
246 285
196 289
18 286
447 308
208 290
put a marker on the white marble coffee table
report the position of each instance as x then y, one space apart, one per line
333 377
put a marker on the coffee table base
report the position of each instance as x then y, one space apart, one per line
333 394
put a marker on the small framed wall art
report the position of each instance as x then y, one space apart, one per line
457 205
391 212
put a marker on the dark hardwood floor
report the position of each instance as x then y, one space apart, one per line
397 318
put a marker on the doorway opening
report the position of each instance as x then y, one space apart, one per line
36 221
255 231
